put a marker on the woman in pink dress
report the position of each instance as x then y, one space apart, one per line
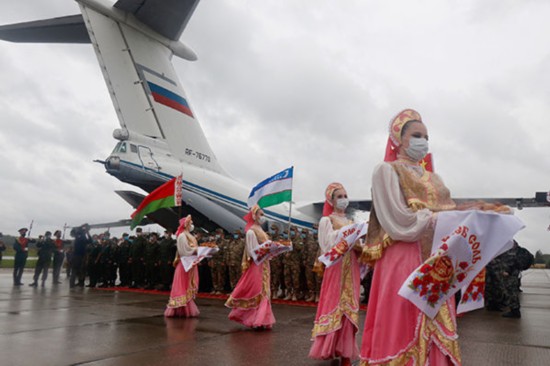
337 318
406 198
250 300
185 284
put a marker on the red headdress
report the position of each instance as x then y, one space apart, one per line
327 208
396 126
183 224
249 217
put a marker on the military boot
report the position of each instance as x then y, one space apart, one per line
513 313
288 295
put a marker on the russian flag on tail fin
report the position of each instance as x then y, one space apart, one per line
169 99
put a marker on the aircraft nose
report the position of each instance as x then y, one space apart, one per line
112 163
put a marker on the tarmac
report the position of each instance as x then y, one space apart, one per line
56 325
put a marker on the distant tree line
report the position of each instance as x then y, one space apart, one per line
542 258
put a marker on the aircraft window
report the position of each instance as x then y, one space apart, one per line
115 150
133 148
122 147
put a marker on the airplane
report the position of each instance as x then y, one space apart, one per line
160 136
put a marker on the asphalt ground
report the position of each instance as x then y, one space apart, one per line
56 325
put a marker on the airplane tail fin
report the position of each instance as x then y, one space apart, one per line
134 51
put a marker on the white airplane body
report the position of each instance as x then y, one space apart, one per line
159 135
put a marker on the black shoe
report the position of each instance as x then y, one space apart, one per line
493 308
34 284
514 314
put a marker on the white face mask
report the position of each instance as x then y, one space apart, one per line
191 228
262 220
342 203
418 148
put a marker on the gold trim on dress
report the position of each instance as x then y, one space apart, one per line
183 300
253 302
430 333
348 305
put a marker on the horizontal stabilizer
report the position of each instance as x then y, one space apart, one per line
119 223
538 201
316 209
69 29
166 17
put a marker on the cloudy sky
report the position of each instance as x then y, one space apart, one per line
306 83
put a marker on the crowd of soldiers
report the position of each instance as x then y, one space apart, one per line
292 276
141 261
146 261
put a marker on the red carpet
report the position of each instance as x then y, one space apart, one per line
204 295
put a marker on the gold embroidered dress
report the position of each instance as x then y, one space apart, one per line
184 284
250 300
399 239
337 319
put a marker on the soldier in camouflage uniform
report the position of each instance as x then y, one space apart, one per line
291 266
106 261
152 261
46 248
137 259
311 252
510 277
494 286
167 254
276 266
123 256
92 261
235 257
217 263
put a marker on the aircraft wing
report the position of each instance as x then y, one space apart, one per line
119 223
541 199
69 29
167 17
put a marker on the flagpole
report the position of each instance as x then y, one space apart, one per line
290 206
180 201
289 218
30 229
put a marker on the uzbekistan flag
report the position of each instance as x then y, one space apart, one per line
167 195
170 99
273 190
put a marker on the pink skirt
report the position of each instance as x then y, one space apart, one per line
184 290
395 329
250 299
336 321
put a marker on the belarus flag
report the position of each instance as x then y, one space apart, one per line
167 195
